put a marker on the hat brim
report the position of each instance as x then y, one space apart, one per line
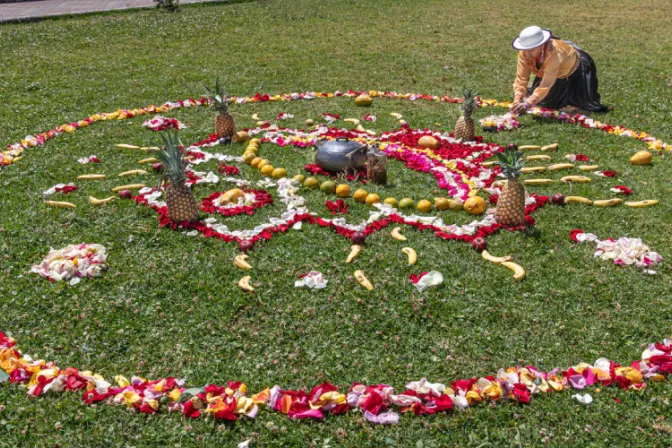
517 45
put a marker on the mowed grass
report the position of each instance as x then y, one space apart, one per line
169 304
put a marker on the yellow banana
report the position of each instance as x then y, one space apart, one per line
91 176
488 164
352 120
397 235
577 200
128 187
370 132
576 179
533 169
255 117
362 280
529 148
244 284
94 201
640 204
360 128
560 166
58 204
412 255
125 146
518 271
588 167
552 147
354 251
607 202
240 261
132 173
538 157
488 257
538 181
396 115
148 160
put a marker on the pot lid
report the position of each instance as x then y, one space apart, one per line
340 144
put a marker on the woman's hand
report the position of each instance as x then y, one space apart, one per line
519 108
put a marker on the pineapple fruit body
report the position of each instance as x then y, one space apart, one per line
511 204
464 129
181 203
224 125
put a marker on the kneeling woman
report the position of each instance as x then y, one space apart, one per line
566 76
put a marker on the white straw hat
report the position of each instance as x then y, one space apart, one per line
531 37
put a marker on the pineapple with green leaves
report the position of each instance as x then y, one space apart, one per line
511 203
180 200
464 128
224 124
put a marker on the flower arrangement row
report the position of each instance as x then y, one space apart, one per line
379 403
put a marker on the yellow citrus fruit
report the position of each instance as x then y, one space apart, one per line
455 204
328 187
232 196
475 205
300 178
391 201
263 163
248 157
406 203
424 206
252 149
311 182
360 195
372 198
279 173
363 100
256 161
267 170
254 141
343 191
441 204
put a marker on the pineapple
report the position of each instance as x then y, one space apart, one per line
464 128
179 198
511 203
224 125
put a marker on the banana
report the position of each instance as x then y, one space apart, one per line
403 122
640 204
240 261
578 200
488 164
397 235
128 187
261 123
58 204
533 169
518 271
560 166
607 202
396 115
360 128
538 181
94 201
362 280
125 146
352 120
309 121
148 160
576 179
552 147
132 173
588 167
488 257
91 176
412 255
244 284
538 157
255 117
354 251
530 148
370 132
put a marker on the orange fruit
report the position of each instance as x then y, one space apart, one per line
360 195
343 191
248 157
424 206
406 203
279 173
263 163
267 170
391 201
441 204
253 149
256 161
475 205
372 198
300 178
311 182
427 141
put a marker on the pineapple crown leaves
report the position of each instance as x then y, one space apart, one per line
218 97
174 164
469 103
510 161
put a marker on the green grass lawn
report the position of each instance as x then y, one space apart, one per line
169 304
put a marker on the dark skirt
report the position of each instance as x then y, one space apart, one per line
578 90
